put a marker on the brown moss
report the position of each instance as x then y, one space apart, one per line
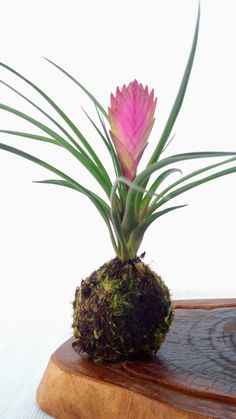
122 311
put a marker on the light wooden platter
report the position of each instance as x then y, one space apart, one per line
193 375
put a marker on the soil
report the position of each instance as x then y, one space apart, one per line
121 311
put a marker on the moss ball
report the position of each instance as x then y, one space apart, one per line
121 311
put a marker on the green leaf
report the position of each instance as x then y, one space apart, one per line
131 205
81 87
192 185
93 169
156 185
126 251
57 125
62 115
176 107
184 178
62 129
115 158
60 182
28 135
108 146
116 220
103 209
136 236
98 131
179 98
116 161
101 205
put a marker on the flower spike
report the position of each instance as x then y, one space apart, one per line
131 117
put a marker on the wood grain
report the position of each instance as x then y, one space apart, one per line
192 376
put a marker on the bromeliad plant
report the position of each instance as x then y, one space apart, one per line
123 310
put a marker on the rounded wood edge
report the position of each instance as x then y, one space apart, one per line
205 304
65 395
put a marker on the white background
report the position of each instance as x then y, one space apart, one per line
52 237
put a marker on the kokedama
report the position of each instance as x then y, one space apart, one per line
123 310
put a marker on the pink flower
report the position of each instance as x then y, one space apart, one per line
131 118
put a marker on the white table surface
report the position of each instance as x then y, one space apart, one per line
24 353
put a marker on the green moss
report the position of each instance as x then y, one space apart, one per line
122 311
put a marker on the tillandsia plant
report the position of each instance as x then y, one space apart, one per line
123 310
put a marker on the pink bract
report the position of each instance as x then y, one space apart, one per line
131 118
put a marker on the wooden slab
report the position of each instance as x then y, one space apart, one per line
193 375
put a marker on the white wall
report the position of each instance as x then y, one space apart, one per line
52 237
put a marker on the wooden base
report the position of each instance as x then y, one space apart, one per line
193 376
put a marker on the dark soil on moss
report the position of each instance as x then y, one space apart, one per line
121 311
